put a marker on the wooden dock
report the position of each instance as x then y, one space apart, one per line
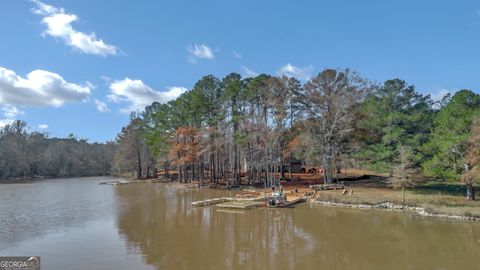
223 200
116 183
241 205
212 201
127 182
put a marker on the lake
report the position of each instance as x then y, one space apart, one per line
78 224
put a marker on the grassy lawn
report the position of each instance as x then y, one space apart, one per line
434 197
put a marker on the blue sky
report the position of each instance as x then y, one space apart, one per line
80 66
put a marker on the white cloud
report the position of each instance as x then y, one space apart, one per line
106 79
302 73
90 85
11 112
4 122
59 25
101 106
199 51
439 94
139 95
237 55
44 9
248 72
39 88
42 126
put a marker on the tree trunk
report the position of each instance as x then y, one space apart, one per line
212 170
165 170
236 159
290 166
139 165
180 173
470 191
201 173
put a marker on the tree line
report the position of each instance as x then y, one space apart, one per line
244 130
29 155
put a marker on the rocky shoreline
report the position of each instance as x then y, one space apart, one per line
388 206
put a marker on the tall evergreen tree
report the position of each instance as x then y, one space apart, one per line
392 115
446 148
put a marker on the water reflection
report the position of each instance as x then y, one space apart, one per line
172 235
148 225
36 209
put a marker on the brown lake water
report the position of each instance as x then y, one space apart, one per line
78 224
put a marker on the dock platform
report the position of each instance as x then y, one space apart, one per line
242 205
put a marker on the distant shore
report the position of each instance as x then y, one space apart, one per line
30 180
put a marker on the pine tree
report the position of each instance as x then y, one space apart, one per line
391 115
445 152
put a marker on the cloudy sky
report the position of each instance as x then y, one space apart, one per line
81 66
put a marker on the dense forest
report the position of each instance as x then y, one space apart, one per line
247 130
26 155
244 130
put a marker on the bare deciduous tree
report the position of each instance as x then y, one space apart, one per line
471 174
405 172
331 97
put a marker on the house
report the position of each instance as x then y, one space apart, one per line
293 164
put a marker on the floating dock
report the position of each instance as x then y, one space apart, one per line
226 199
212 201
241 205
127 182
116 183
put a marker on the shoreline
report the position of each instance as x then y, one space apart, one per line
32 180
389 206
385 206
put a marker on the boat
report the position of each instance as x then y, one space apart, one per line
278 200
